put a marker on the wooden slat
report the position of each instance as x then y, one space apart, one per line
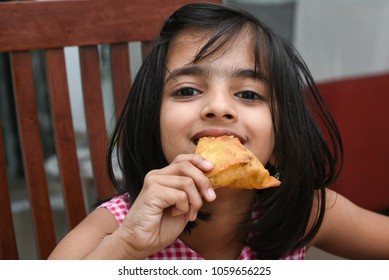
95 119
8 247
121 74
32 151
64 137
27 25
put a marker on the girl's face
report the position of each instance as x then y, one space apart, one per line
218 95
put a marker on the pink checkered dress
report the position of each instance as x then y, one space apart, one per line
119 207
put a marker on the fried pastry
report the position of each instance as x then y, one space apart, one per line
234 165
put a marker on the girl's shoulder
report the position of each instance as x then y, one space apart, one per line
118 206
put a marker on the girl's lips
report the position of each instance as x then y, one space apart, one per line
215 132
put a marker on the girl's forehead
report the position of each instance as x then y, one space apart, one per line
191 35
189 43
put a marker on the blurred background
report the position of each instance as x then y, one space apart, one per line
338 39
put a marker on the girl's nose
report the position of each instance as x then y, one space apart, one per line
218 107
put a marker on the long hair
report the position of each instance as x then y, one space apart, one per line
307 158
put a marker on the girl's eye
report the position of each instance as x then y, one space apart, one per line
250 95
186 92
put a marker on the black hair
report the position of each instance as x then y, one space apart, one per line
308 158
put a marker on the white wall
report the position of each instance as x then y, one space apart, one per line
342 38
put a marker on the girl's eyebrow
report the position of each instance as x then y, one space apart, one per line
197 70
190 70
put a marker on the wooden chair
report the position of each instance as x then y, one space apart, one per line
51 26
359 106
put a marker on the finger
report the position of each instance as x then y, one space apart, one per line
187 185
196 160
157 197
188 166
181 206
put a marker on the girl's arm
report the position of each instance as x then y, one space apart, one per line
170 197
352 232
93 233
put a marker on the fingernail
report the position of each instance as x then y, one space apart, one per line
207 163
211 193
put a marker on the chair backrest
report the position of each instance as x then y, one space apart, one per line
50 26
359 106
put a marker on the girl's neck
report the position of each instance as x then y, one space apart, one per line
221 237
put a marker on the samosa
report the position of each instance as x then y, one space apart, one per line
234 165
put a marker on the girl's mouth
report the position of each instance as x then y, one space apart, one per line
216 132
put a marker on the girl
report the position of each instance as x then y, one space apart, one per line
216 70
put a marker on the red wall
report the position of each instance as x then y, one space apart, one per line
360 107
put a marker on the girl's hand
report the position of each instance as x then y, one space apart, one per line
170 197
